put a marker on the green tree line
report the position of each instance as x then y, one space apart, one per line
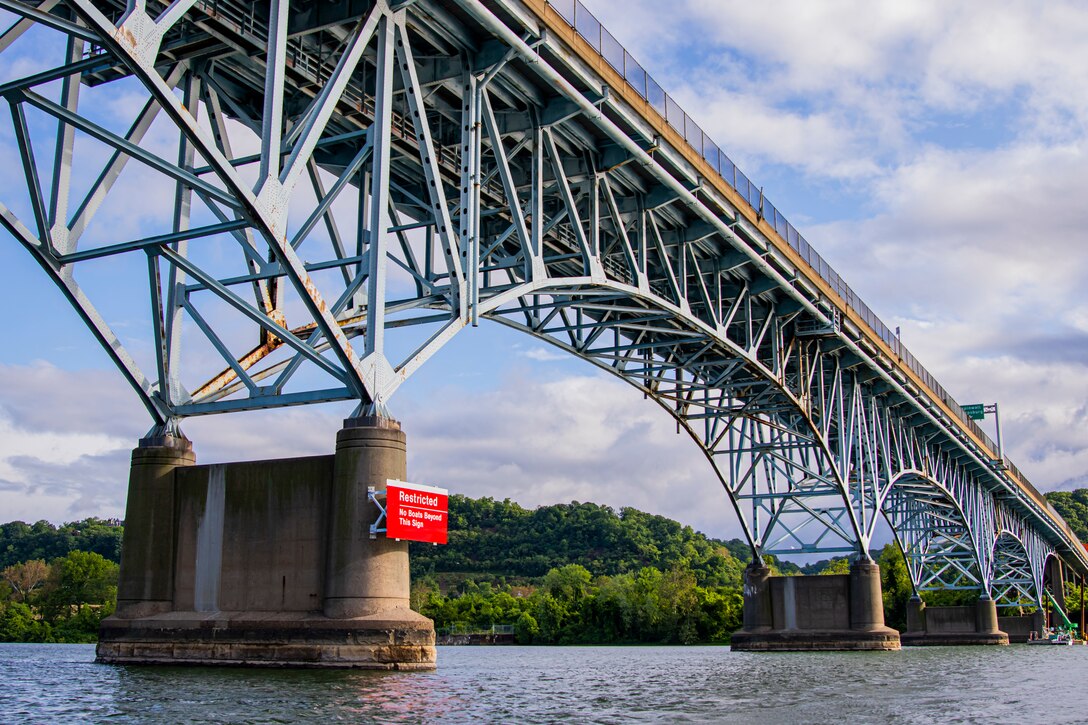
21 542
57 582
570 606
563 574
1073 507
60 601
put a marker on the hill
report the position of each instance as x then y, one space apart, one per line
21 542
491 539
1073 506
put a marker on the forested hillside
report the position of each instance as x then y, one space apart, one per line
491 538
567 573
579 573
21 542
1073 506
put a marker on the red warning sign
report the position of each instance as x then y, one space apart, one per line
414 512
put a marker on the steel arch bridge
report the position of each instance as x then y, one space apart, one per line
328 191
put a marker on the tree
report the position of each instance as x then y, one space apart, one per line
550 615
21 542
836 566
26 577
18 623
570 583
1073 507
896 586
79 579
526 629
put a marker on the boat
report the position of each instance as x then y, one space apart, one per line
1054 636
1064 635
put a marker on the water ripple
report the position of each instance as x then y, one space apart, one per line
61 683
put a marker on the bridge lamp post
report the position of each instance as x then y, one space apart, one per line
978 411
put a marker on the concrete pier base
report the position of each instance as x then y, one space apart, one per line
952 626
266 563
270 639
1020 628
814 613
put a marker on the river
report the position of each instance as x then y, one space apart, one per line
1022 684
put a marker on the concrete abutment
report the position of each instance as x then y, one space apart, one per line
266 563
950 626
814 613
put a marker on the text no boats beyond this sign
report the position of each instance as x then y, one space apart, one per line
414 512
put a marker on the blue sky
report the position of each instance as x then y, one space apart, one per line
936 153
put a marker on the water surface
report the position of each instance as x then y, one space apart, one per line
61 683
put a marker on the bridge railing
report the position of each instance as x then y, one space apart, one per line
613 53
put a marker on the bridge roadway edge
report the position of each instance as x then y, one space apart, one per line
290 579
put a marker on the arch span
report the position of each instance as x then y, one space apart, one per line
934 533
773 460
1014 583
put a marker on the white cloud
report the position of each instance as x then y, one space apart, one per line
839 88
543 354
18 445
581 437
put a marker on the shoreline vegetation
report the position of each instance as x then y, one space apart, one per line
581 573
569 574
57 583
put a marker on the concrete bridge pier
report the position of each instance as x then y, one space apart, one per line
814 613
266 563
146 583
1021 628
1055 578
943 626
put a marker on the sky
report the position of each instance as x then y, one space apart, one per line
935 153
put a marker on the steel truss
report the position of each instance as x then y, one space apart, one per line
349 184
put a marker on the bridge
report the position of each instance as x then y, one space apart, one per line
330 191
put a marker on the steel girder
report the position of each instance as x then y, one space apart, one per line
346 185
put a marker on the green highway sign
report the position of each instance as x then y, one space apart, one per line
976 411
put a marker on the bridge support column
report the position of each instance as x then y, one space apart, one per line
364 575
1056 578
945 626
1022 628
916 613
266 563
758 614
146 583
813 613
367 579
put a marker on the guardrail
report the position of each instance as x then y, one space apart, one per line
464 629
613 53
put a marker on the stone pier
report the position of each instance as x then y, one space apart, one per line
812 613
265 563
944 626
